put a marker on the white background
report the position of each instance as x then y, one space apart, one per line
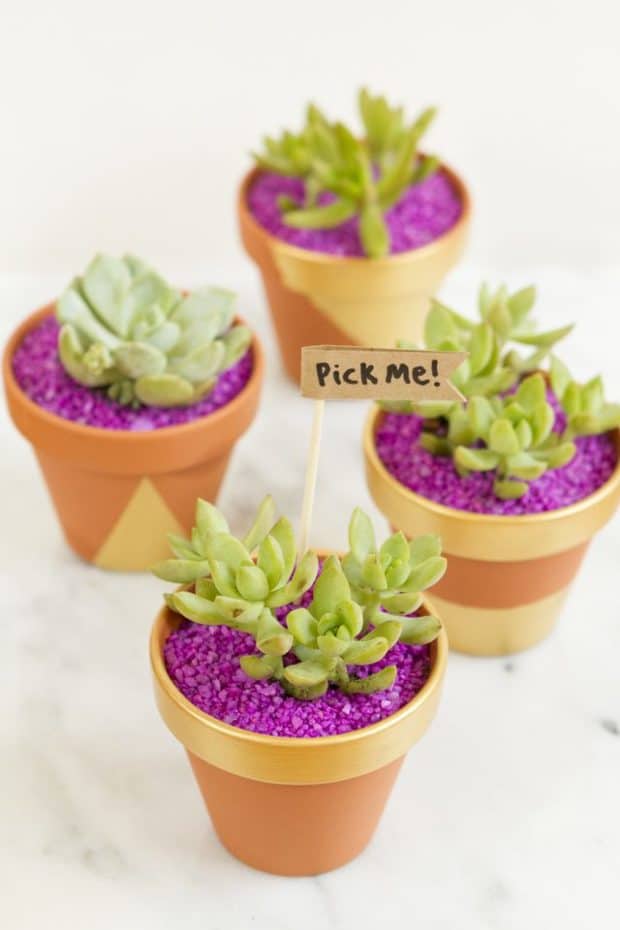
127 126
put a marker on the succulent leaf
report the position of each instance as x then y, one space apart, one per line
306 674
476 459
503 439
303 626
180 571
373 231
284 535
365 651
251 582
261 667
223 547
330 589
418 631
361 535
509 490
271 561
389 630
197 609
271 637
303 578
424 547
92 368
378 681
209 519
426 574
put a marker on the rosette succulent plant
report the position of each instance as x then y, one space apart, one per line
364 176
124 328
360 606
507 424
516 431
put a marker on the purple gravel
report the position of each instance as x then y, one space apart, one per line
42 378
203 663
436 478
424 212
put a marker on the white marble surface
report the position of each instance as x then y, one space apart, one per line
505 816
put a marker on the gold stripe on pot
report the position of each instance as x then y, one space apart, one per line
497 631
488 537
287 760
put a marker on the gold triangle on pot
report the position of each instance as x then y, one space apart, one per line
138 539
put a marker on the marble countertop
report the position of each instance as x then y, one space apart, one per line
505 816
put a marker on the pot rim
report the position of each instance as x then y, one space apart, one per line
53 420
490 519
284 760
313 257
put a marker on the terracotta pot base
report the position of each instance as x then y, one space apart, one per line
294 830
293 806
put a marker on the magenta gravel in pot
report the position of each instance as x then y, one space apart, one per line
43 379
424 213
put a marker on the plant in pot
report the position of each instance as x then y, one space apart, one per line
352 236
517 480
296 682
133 395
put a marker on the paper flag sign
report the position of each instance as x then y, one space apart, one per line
332 372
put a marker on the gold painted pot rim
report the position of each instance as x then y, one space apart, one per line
292 760
502 538
78 429
123 451
419 254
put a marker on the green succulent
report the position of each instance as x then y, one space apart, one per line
587 412
366 176
506 424
354 618
388 581
492 365
125 329
517 432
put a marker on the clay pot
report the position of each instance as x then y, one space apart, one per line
507 577
118 493
319 299
293 806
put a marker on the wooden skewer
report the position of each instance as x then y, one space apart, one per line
311 473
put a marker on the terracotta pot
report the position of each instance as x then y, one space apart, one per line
319 299
118 493
293 806
507 577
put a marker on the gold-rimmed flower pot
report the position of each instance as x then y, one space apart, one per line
320 299
508 576
118 493
293 806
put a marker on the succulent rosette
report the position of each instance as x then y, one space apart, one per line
508 423
125 329
361 605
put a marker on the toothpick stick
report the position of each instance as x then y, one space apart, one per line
311 473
